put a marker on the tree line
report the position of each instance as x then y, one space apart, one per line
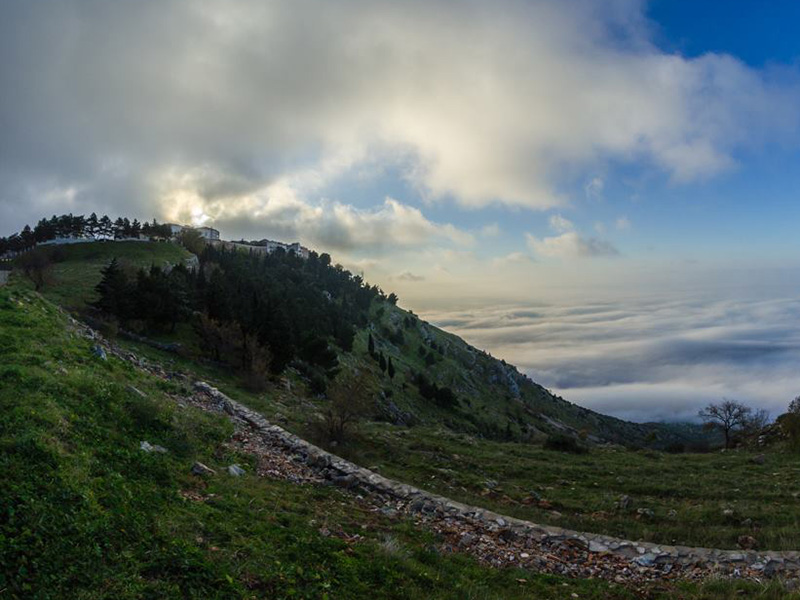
256 312
79 226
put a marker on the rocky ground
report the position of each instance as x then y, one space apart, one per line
493 539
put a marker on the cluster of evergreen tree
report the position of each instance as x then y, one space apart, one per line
159 298
250 309
81 227
442 396
387 366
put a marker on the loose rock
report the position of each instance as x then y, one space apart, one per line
624 502
747 542
236 471
148 447
200 469
136 391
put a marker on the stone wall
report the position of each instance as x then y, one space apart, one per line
642 554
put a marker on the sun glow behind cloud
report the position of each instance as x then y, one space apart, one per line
484 105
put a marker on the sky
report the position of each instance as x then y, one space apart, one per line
622 173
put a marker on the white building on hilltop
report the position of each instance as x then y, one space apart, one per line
264 247
272 245
208 233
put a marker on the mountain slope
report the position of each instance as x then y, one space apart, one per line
495 400
440 379
86 513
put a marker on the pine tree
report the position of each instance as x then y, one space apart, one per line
114 291
390 369
27 236
371 345
382 362
92 225
78 226
119 228
106 228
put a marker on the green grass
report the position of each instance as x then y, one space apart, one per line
77 271
584 489
85 514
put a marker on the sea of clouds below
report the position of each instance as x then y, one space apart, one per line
646 359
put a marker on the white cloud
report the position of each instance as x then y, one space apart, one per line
623 223
361 264
277 210
570 245
409 276
513 258
485 103
491 230
647 358
594 188
560 224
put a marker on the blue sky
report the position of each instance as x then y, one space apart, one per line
651 131
758 33
468 155
746 214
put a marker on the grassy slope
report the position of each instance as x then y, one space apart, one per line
583 489
493 391
487 388
78 271
85 514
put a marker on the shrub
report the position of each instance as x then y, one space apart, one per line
108 327
701 447
790 426
317 382
564 443
36 266
351 401
675 448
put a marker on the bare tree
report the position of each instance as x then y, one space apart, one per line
757 421
36 266
728 416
